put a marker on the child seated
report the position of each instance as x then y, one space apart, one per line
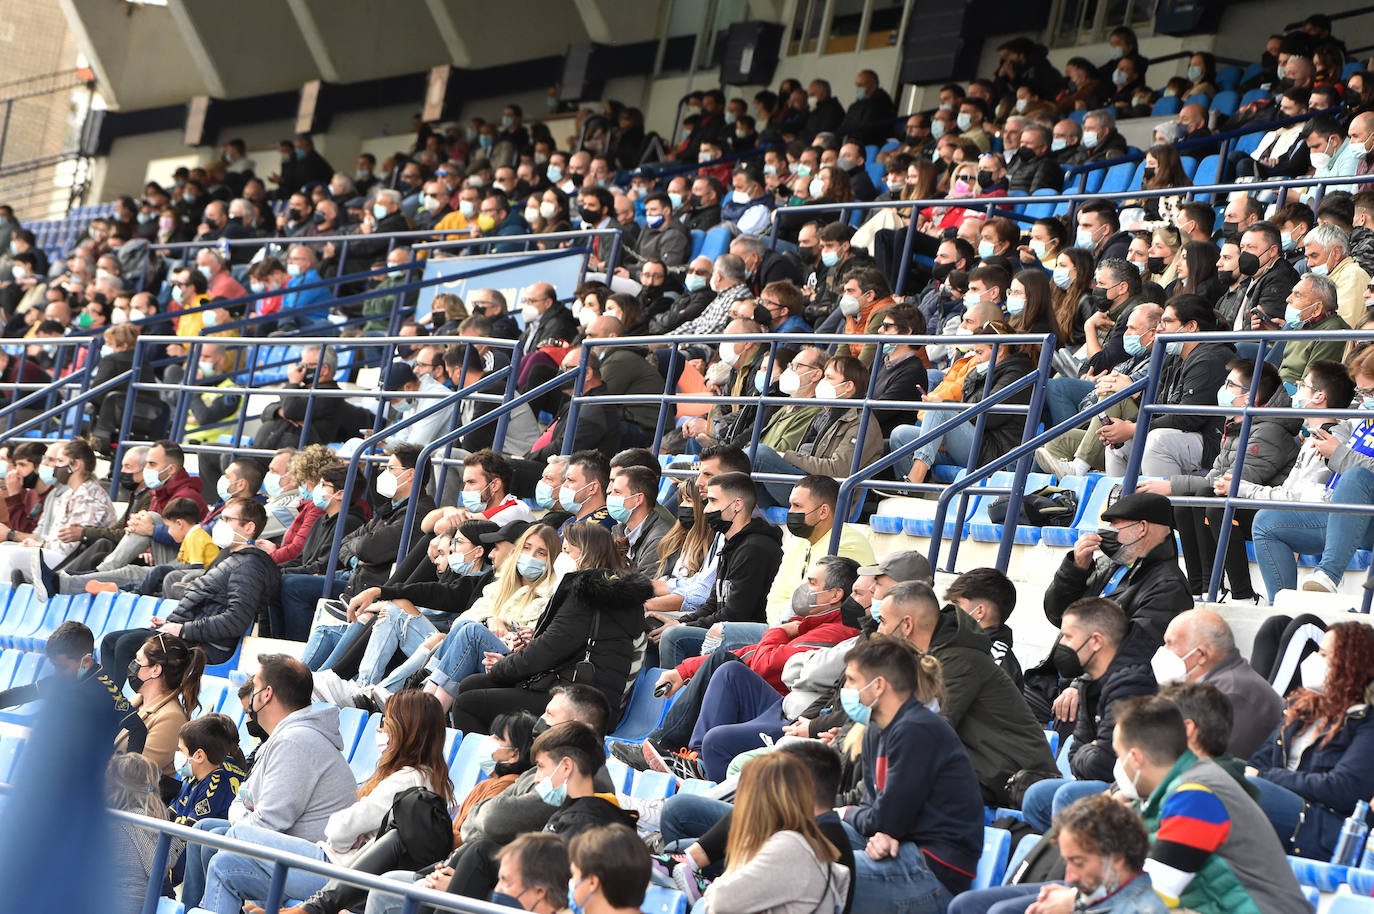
197 550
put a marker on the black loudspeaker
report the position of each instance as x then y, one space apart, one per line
944 38
583 72
91 142
1187 17
751 53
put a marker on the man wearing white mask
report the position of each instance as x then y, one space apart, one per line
728 282
547 320
1328 254
1200 647
220 606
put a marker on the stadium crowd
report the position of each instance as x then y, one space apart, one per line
841 724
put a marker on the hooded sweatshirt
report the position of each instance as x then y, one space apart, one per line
300 777
748 562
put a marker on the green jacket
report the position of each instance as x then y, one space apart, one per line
1197 820
1298 354
626 370
784 431
380 307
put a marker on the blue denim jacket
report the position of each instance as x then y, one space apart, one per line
1135 897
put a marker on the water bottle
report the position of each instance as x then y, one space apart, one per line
224 249
1351 842
1367 859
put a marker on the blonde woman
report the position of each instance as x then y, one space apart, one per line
131 785
687 567
501 619
776 858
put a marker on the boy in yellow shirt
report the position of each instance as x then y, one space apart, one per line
198 550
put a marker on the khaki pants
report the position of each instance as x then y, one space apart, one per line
1077 443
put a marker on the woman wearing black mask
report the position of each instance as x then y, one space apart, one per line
686 566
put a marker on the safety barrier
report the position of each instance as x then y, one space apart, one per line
1232 500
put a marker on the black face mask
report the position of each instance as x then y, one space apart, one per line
1066 662
686 516
1148 174
255 729
127 481
941 270
540 726
592 216
31 480
1100 300
914 139
1155 265
1249 264
807 254
1111 544
1229 228
717 522
1227 277
694 200
133 668
797 525
985 178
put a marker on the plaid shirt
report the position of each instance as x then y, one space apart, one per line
717 313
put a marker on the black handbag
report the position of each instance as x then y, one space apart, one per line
420 818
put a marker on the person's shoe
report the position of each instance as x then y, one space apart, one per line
688 880
629 753
1052 464
17 579
102 587
1319 581
1237 600
686 766
655 757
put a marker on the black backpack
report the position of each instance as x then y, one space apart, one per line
1050 506
420 818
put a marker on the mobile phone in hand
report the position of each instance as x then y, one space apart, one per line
661 690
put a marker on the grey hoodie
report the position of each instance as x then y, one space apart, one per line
299 778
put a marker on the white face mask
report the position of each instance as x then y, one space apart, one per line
1124 782
1168 666
729 354
1313 670
789 383
564 564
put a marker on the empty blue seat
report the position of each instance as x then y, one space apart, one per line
1078 115
1166 106
698 241
1119 178
1226 103
1351 904
695 786
876 170
170 906
648 785
54 613
644 712
466 769
1318 873
9 659
1040 210
212 694
885 523
1361 882
622 775
1228 77
351 724
992 864
22 617
717 242
1200 98
144 609
365 754
661 900
1205 172
27 671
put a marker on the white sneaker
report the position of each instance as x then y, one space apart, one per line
1053 464
1319 581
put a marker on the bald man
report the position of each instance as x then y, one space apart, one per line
1192 123
626 370
1200 647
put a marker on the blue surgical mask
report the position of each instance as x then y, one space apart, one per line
554 796
488 762
854 707
1132 344
47 474
271 484
653 222
554 174
1083 238
675 199
151 479
319 498
1016 304
986 249
1061 277
1292 317
1039 249
1090 138
1287 240
472 499
222 489
575 906
875 613
1058 145
760 384
293 269
543 495
182 764
694 283
176 294
1320 269
531 569
615 506
568 497
963 121
830 258
1194 74
1367 403
463 567
204 271
1174 348
1225 397
378 212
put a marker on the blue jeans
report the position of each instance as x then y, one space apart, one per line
1046 799
1000 899
397 631
1062 396
897 885
957 442
299 593
1278 534
739 704
461 654
1282 807
774 494
689 816
198 858
235 878
327 643
678 643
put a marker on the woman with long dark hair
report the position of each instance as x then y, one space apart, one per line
1316 766
165 673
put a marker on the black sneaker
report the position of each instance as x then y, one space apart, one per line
631 754
656 757
686 766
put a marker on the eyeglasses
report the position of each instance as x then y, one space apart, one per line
887 325
236 519
1232 385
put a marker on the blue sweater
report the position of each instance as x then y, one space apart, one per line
209 797
919 786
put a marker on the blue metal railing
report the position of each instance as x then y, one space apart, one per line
1232 500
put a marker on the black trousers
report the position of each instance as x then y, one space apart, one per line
1197 529
479 702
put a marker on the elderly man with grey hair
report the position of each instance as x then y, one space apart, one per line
220 283
728 282
1328 254
1311 306
1200 647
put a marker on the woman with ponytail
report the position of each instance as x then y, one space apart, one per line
165 677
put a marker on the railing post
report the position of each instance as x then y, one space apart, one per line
905 266
126 421
1142 421
973 463
757 431
499 440
1023 465
574 407
669 389
1233 491
156 869
277 889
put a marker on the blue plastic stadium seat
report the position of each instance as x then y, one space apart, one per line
213 692
1062 759
452 740
1228 78
1023 849
717 242
650 785
695 786
11 747
1052 736
698 241
145 608
170 906
28 670
351 724
466 769
1254 95
365 755
644 712
1078 115
9 660
54 613
1082 486
1200 98
1205 172
1248 143
1091 518
1318 873
1351 69
885 523
1189 164
1351 904
945 473
992 864
1166 106
22 618
622 775
1226 103
1361 882
1119 177
661 900
876 170
1040 210
980 525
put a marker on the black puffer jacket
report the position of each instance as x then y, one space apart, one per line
1091 757
377 543
596 617
1003 430
220 605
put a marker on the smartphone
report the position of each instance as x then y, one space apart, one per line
661 690
1104 418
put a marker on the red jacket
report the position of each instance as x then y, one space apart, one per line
293 540
25 509
774 649
181 485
